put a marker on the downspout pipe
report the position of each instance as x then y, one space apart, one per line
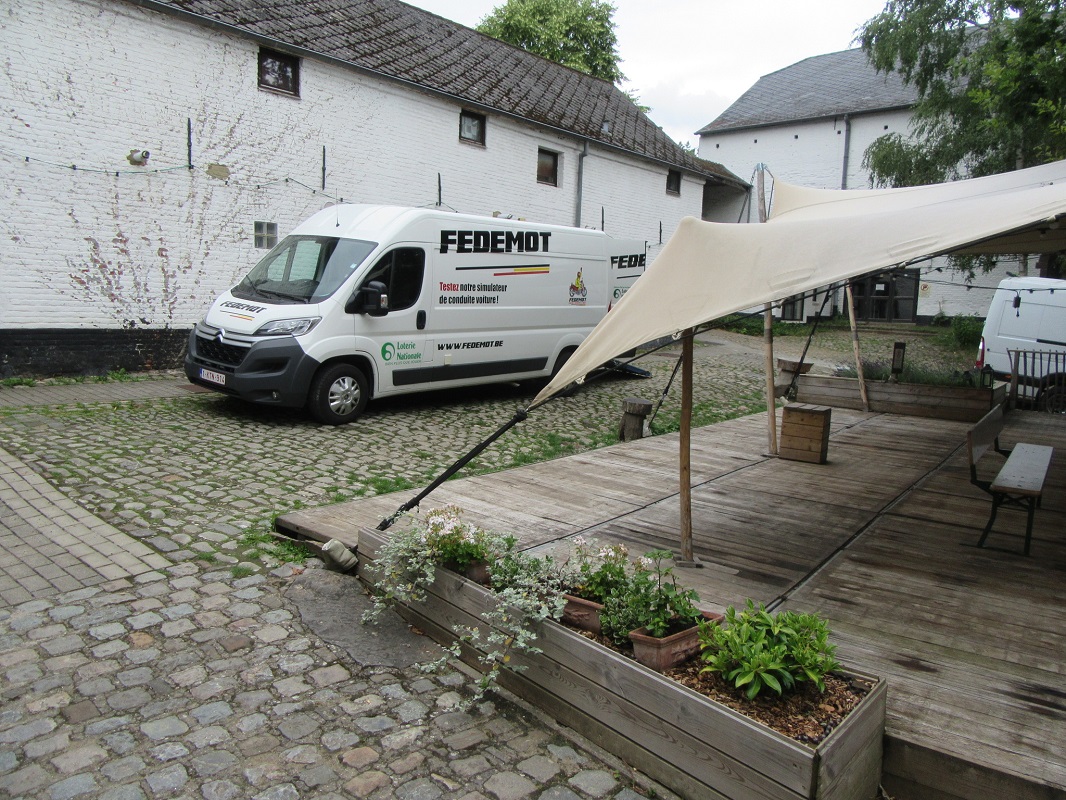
580 182
844 185
847 152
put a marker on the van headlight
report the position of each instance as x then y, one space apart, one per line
289 327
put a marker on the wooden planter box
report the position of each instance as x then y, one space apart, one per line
963 403
693 745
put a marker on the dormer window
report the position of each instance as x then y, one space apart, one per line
673 182
472 127
547 167
279 72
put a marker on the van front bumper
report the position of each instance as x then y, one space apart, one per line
273 371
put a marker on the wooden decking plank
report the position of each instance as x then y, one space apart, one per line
951 705
970 639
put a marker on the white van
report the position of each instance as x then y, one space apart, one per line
369 301
1028 314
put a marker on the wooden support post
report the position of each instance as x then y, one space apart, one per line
685 489
768 330
855 346
634 412
771 394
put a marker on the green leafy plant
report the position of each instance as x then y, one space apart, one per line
406 563
385 485
260 543
526 589
912 373
966 330
756 649
600 571
651 599
13 382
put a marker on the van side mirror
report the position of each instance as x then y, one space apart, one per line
372 299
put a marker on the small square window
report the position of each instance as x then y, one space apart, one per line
472 127
673 182
266 235
547 167
279 72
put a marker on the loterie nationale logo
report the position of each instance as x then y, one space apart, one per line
400 351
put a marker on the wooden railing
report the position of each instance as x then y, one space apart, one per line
1038 377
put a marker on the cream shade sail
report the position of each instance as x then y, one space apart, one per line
815 237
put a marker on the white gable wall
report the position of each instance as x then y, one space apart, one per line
89 80
804 153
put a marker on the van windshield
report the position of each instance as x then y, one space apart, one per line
303 269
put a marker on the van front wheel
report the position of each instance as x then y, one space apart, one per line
338 395
571 388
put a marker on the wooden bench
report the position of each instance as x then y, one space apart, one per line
1020 482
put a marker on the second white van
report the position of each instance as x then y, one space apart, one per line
1028 316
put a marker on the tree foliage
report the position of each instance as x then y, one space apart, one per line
576 33
991 81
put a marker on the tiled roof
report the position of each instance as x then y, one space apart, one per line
399 41
823 86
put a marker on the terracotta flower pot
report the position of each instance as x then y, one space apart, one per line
662 653
478 572
582 613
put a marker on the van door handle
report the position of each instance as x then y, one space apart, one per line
420 321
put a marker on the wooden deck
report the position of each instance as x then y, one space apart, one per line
879 540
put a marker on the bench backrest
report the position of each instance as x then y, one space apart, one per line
984 434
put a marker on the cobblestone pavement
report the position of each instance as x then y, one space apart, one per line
153 645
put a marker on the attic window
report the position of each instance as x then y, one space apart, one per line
547 167
279 72
472 127
673 182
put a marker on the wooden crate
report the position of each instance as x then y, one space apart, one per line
698 748
805 433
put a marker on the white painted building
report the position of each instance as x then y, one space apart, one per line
810 124
255 114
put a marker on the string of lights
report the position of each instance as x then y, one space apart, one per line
95 170
258 184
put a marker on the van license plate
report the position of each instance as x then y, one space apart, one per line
214 377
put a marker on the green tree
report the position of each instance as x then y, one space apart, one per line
991 82
576 33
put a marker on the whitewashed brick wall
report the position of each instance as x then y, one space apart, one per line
109 245
804 153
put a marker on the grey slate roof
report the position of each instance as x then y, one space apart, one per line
396 40
822 86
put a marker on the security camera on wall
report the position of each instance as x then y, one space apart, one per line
138 157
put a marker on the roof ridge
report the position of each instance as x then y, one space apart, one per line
805 90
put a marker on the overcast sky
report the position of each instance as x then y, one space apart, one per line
690 59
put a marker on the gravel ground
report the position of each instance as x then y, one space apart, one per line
202 476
